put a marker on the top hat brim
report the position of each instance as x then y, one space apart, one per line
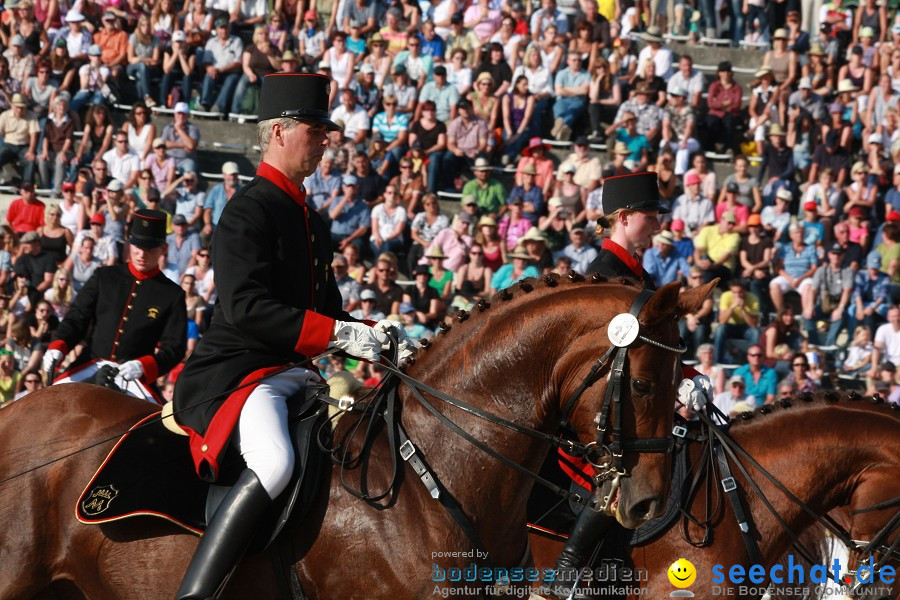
145 243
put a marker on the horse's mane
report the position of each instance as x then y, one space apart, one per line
532 287
816 400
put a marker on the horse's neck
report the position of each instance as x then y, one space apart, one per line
820 454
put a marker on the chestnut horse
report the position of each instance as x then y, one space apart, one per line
520 359
829 450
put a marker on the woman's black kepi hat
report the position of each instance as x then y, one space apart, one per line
298 96
148 229
637 191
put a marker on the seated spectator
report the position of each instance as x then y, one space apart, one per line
536 154
647 114
222 68
684 246
887 342
9 377
467 137
425 227
258 59
513 225
662 262
367 310
394 128
730 204
96 139
419 66
39 90
441 279
571 88
515 271
178 65
858 223
217 196
781 340
518 118
124 164
101 248
26 213
161 167
738 319
19 132
93 77
571 195
556 225
634 146
350 217
830 155
531 195
795 264
484 103
356 120
431 136
588 169
716 249
724 115
34 264
824 194
368 96
425 299
60 295
113 44
55 238
696 327
323 186
454 242
859 354
204 276
760 380
348 286
692 208
776 219
410 186
860 193
679 129
828 298
871 294
388 294
535 244
183 244
413 329
800 376
388 223
732 397
813 231
182 138
777 169
748 186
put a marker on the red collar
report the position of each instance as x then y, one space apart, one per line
142 276
629 261
267 171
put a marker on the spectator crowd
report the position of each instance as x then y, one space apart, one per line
442 188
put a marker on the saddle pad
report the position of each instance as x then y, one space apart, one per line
148 472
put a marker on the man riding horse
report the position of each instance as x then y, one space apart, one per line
277 303
136 315
631 208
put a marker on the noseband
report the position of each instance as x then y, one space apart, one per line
607 459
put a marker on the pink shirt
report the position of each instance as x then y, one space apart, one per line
741 213
512 233
455 248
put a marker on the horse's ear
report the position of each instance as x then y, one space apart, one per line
660 305
691 299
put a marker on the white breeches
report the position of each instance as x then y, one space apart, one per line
263 437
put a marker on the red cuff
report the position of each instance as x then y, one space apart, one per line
689 372
60 345
151 370
314 334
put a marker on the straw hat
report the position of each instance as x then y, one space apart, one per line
533 235
845 85
621 148
519 252
436 252
487 221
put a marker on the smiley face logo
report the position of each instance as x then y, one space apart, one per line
682 573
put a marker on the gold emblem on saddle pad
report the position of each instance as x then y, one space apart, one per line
152 312
99 500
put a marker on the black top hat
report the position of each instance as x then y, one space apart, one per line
148 229
298 96
638 191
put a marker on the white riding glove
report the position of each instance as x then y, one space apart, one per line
131 370
695 393
51 358
406 346
358 340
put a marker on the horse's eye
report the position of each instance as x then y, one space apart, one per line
642 386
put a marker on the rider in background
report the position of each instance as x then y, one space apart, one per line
631 207
278 302
134 313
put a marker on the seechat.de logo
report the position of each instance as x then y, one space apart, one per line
682 574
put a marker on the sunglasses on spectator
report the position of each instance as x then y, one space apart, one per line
32 380
799 364
754 354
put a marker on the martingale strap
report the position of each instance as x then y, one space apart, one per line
731 491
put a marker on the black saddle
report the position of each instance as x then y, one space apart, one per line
150 472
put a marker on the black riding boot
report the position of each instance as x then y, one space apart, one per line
226 538
586 534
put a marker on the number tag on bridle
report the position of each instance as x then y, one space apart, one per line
623 330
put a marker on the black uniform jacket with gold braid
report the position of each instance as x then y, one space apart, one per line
277 302
135 316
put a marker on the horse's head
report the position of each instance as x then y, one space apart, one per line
628 412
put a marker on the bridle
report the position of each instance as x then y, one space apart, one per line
608 459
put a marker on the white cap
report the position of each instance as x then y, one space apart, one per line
178 36
115 186
182 107
230 168
366 69
74 16
875 138
805 84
